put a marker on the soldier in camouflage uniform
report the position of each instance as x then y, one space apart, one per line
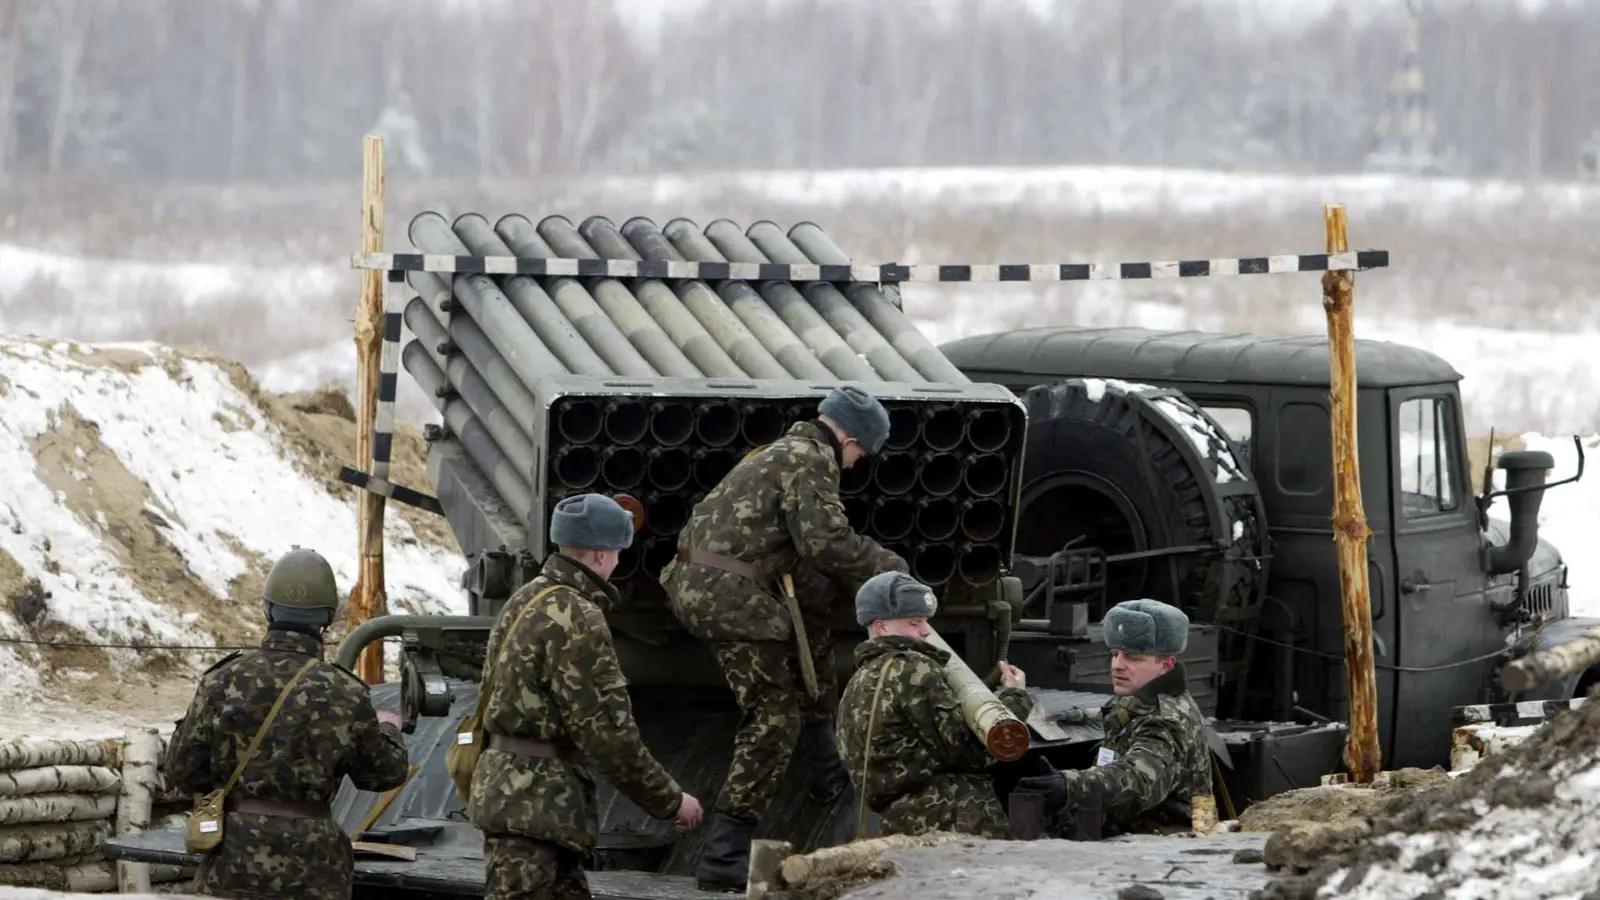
1154 758
911 755
559 709
279 839
777 512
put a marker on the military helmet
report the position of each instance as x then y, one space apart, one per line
302 579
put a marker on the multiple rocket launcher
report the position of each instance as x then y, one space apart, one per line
654 389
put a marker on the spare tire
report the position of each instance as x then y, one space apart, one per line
1130 468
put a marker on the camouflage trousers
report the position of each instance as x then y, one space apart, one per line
268 857
766 683
965 804
522 868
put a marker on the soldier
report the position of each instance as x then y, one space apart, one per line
1154 758
278 837
558 709
777 512
911 755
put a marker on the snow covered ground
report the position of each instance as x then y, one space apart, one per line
144 489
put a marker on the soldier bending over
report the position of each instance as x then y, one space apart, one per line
559 708
912 757
777 512
279 838
1154 758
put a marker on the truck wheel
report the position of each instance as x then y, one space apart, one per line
1130 468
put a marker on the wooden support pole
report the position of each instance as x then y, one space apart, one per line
369 599
1361 753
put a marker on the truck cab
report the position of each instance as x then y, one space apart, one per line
1449 588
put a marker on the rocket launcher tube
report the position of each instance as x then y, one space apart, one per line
784 345
1005 736
475 346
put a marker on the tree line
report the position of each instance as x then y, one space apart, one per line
281 90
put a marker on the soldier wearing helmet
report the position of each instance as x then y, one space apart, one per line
778 512
1154 760
279 838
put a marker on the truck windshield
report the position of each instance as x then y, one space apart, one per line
1427 487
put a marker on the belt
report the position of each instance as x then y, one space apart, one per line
523 746
284 809
727 564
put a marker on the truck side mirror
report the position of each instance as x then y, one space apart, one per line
1525 474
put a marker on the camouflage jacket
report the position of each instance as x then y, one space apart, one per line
779 511
1161 760
557 680
326 730
925 770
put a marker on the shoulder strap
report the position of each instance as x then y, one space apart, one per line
488 663
255 742
866 754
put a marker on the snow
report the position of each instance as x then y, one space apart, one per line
220 477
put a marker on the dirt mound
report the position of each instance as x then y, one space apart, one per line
1522 824
1338 802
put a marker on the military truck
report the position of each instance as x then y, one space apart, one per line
1032 477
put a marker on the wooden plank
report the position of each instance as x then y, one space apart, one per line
1362 756
369 598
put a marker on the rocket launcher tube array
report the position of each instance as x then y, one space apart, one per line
1005 736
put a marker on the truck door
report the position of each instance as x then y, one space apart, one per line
1438 589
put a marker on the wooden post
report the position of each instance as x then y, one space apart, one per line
369 599
1361 753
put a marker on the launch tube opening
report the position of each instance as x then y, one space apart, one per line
986 474
904 427
577 467
933 564
944 429
716 424
937 519
628 561
858 510
710 466
669 468
623 467
626 421
983 519
855 479
893 518
762 424
896 473
941 474
657 553
579 421
666 514
980 565
988 430
671 423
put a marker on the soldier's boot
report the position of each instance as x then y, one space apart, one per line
826 778
725 859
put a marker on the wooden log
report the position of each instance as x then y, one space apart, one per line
847 859
90 878
1005 736
1544 666
141 754
766 857
30 753
59 780
57 808
1350 531
369 599
39 843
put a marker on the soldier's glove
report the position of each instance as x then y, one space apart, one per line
1053 787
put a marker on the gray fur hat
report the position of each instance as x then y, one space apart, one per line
592 522
859 414
894 595
1146 627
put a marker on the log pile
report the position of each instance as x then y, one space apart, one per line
61 799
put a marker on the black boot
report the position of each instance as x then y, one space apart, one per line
725 858
826 778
